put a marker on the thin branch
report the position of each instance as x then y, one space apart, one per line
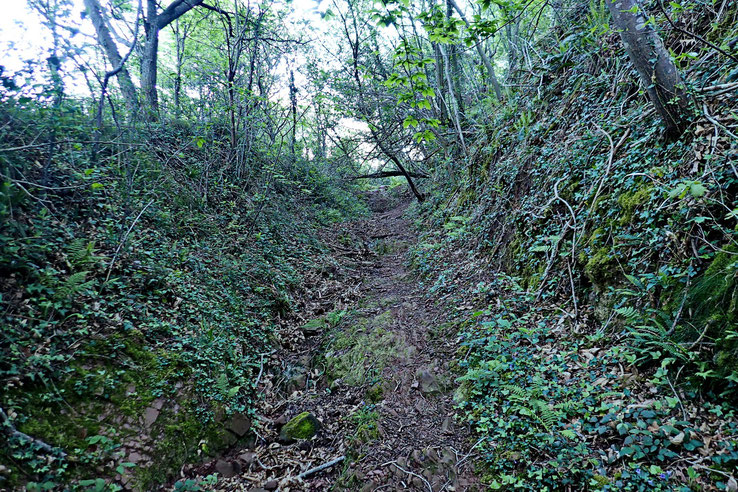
11 429
695 36
123 240
388 174
320 468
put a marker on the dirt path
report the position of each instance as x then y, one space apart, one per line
372 366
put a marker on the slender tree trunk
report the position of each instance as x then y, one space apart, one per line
149 59
440 85
452 68
180 40
485 59
149 63
653 63
511 30
457 118
293 104
127 88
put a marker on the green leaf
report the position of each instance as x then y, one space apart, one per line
697 190
409 121
569 434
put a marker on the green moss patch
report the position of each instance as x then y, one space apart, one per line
302 426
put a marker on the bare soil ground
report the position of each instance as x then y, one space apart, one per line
376 375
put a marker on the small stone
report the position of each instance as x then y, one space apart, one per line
447 427
314 327
150 416
239 424
228 469
134 457
427 382
280 421
303 426
271 485
247 458
295 378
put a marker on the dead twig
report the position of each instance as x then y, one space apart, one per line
123 240
320 468
394 463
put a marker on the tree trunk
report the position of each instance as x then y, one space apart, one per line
149 63
457 119
452 68
180 38
511 30
653 63
149 59
293 104
485 59
440 85
94 11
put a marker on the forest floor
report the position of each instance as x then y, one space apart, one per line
370 362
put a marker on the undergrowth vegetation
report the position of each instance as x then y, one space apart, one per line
133 275
594 266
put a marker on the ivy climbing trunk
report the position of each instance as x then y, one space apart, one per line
653 63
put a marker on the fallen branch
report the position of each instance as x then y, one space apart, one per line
720 88
320 468
695 36
394 463
123 240
10 429
388 174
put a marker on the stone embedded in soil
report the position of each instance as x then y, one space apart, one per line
280 421
150 416
239 424
314 327
427 382
271 485
135 457
303 426
295 378
228 469
447 427
247 458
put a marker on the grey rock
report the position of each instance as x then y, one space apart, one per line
447 427
427 382
239 424
228 469
247 458
150 416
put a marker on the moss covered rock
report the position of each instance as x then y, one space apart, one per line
302 426
314 326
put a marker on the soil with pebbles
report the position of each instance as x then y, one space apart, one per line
394 429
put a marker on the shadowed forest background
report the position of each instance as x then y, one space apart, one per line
189 191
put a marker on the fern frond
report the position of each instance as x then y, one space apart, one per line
73 285
81 252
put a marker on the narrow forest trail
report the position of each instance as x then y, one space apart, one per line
373 369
